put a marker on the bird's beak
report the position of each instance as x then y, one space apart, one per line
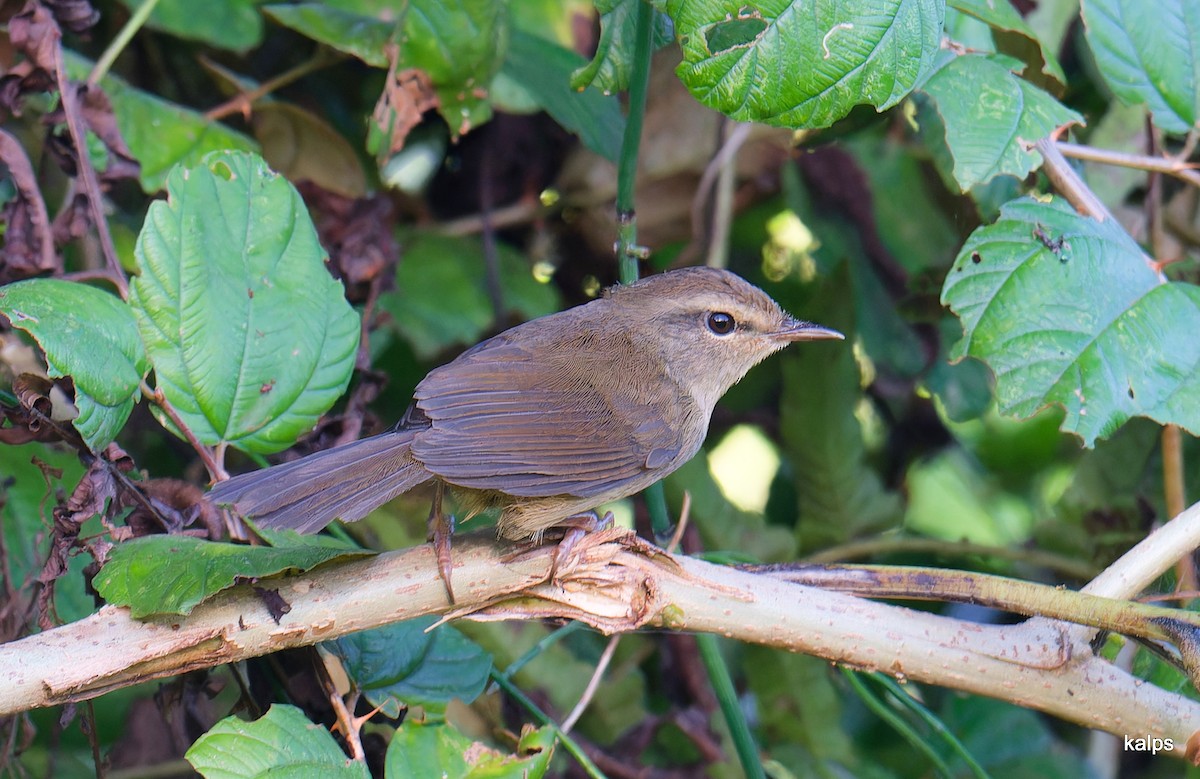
796 330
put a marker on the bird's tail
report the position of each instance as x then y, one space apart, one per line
344 483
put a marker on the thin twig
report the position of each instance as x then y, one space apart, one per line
1184 171
867 548
1067 181
242 102
593 684
122 39
719 178
87 174
216 471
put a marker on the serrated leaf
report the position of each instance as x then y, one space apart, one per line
251 338
612 64
226 24
1067 310
160 134
441 296
92 337
1013 36
347 31
1149 53
282 743
173 574
992 117
804 63
435 751
402 664
543 68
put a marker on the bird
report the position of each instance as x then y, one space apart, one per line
547 420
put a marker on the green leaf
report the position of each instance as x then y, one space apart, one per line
1149 53
441 296
92 337
435 751
282 743
460 44
402 664
251 338
839 494
27 492
543 68
612 64
992 117
160 134
173 574
1013 36
356 34
1067 310
804 63
226 24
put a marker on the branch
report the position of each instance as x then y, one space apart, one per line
613 588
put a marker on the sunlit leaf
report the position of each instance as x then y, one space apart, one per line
89 335
804 63
173 574
435 751
282 743
612 64
251 338
1067 310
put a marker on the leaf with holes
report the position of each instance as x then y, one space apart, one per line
251 338
1149 53
421 750
1067 310
612 64
92 337
804 63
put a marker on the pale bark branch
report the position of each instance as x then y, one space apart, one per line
1038 664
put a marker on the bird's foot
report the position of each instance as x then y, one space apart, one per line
441 528
576 528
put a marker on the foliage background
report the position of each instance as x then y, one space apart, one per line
460 186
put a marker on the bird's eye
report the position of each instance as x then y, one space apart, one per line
721 323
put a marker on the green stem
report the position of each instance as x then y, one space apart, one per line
104 64
628 252
909 733
928 717
570 744
537 649
743 741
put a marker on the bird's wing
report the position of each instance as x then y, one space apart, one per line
499 419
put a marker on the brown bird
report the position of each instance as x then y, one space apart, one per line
550 419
